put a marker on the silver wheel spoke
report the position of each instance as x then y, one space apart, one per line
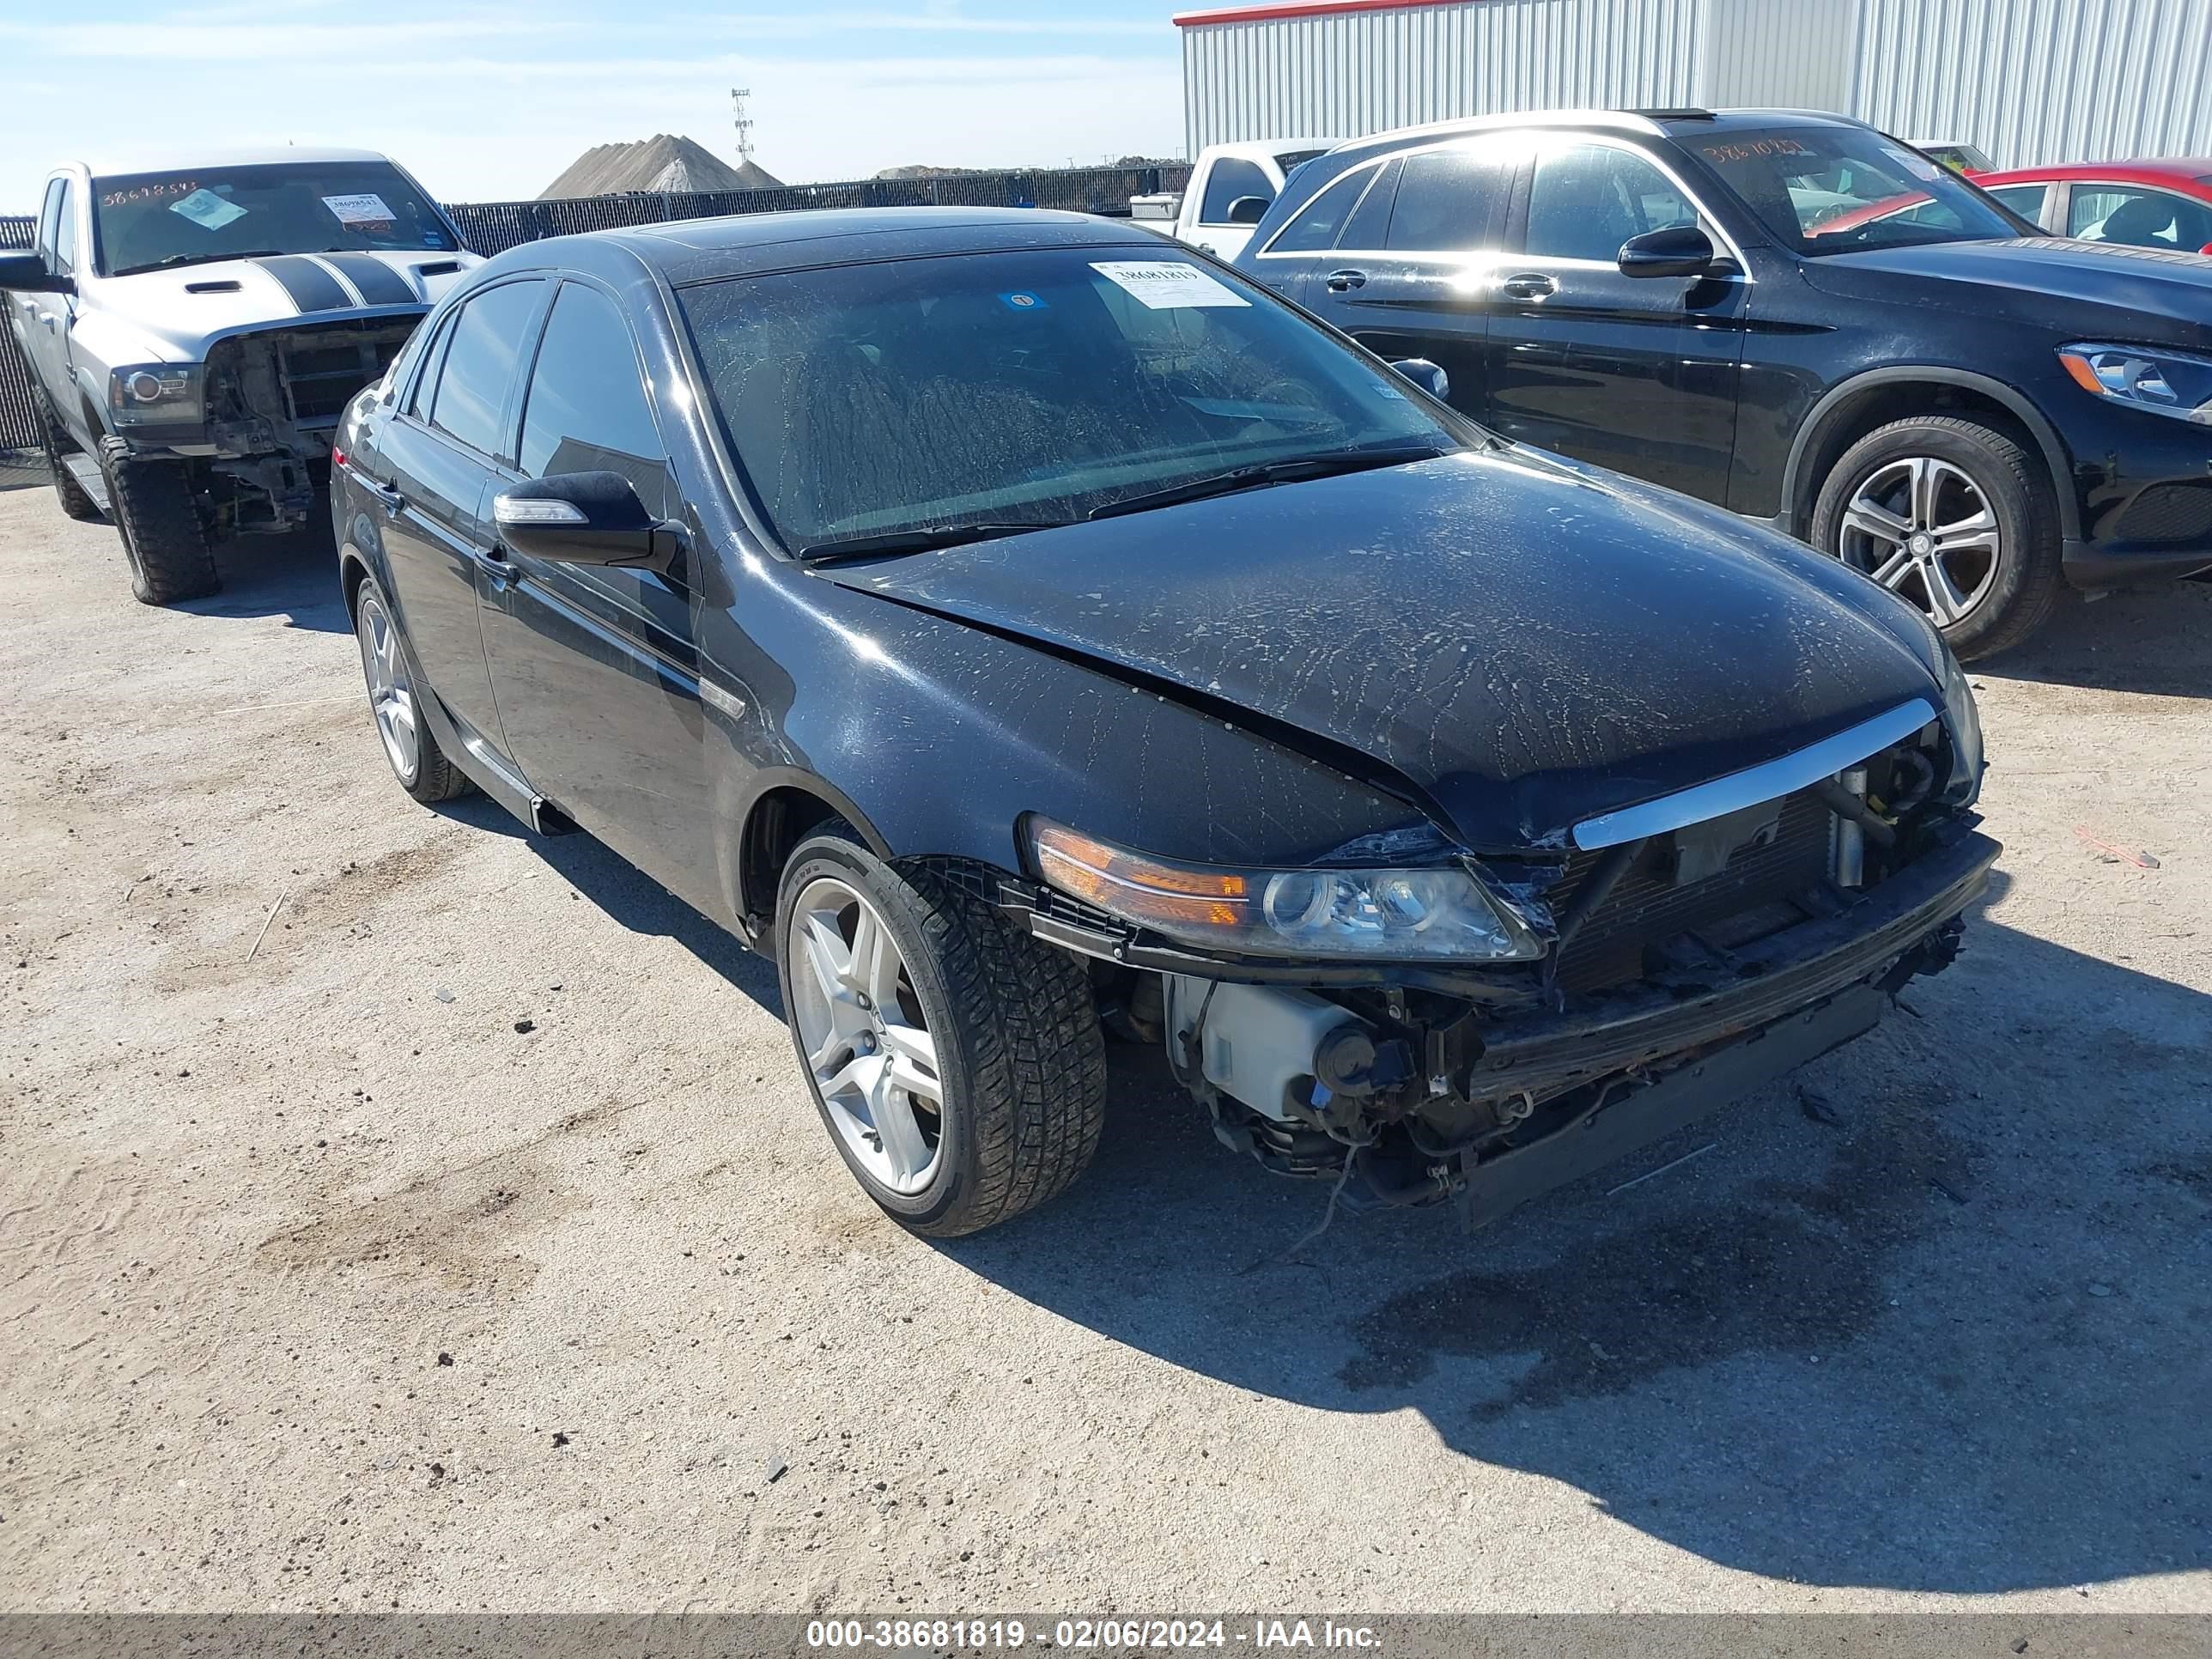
1894 569
1927 480
1945 602
871 1056
1872 518
901 1136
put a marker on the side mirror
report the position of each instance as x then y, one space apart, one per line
1430 377
583 518
26 273
1247 209
1681 251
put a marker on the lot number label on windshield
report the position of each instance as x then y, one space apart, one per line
1161 286
362 210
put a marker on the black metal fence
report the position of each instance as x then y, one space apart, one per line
492 228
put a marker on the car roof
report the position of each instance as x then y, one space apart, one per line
183 160
707 250
2148 170
1648 123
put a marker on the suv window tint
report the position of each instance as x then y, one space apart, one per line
1315 226
2137 217
1232 177
587 410
2026 200
1370 224
480 362
1587 199
1445 202
65 229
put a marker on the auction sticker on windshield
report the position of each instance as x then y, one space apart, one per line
362 210
204 207
1160 285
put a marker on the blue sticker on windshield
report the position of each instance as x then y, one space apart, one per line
1020 301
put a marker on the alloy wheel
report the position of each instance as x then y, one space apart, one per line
867 1041
1922 528
391 690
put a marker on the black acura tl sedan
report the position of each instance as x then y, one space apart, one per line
1796 316
1025 631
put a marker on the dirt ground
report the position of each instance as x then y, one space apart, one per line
399 1211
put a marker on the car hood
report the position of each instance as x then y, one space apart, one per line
2170 292
189 307
1512 643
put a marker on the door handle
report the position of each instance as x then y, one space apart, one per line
392 500
50 318
1528 285
1343 281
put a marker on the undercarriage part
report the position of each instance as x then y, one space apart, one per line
274 399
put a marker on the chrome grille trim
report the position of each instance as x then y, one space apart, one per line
1769 781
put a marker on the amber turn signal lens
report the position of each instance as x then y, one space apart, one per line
1142 888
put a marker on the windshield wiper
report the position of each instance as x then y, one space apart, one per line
923 538
176 259
1293 471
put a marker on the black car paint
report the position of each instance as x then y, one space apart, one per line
1743 391
1200 723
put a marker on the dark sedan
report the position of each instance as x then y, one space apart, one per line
1796 316
1025 630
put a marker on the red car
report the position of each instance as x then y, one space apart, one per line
2157 203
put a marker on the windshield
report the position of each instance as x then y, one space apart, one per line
1032 388
147 220
1833 190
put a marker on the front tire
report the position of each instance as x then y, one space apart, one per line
395 698
1955 516
956 1060
158 515
77 501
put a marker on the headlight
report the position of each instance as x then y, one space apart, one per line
1436 914
2144 377
1964 722
157 394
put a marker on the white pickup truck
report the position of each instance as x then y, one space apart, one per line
1230 186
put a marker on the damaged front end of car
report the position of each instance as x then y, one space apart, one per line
1421 1024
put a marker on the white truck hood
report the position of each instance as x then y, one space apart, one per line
189 307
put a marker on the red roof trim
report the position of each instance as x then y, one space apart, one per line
1274 10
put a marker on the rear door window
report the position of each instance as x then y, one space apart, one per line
1446 201
1315 226
1369 226
2137 216
1231 177
2026 200
588 409
489 332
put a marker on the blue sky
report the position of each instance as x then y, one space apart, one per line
489 99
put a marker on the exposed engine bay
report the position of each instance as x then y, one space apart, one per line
274 400
1683 969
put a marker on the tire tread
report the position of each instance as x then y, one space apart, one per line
158 518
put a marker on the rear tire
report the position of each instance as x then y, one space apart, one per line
396 695
76 501
1000 1026
1955 516
157 513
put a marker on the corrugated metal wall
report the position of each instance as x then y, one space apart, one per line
2040 80
1346 74
1787 54
2029 81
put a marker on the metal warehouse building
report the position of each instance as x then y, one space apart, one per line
2029 81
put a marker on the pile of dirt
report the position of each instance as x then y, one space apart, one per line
672 164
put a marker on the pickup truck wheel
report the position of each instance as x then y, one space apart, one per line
1956 517
76 502
956 1060
159 519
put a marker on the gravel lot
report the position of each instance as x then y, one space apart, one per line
471 1242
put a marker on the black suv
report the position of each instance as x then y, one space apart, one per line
1795 316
